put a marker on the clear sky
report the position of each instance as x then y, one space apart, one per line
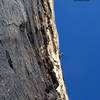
78 25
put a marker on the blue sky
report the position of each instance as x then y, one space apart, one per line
78 25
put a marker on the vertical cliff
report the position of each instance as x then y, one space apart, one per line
30 67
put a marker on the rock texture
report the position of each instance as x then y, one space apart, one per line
30 67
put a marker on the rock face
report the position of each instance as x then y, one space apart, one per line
30 67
